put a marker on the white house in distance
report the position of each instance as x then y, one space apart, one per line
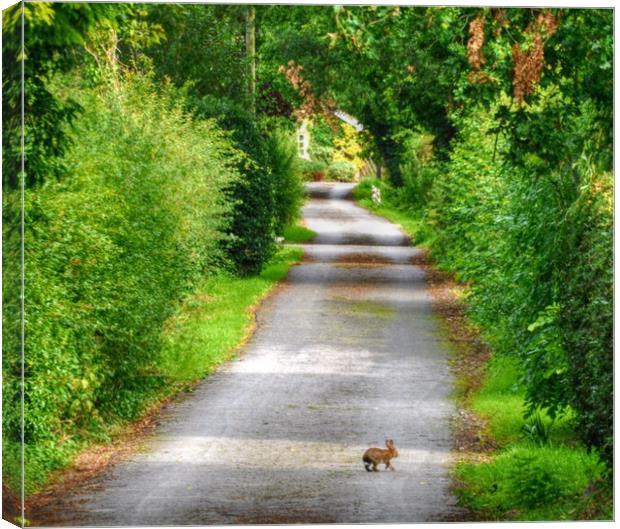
303 132
303 138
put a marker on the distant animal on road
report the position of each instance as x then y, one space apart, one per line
374 456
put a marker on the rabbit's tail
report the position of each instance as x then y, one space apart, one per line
367 462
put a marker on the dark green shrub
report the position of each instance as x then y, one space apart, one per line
341 171
586 320
286 175
252 230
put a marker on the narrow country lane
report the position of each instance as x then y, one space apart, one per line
346 354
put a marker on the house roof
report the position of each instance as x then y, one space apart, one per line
347 118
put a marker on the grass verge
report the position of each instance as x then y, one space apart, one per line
207 329
297 234
509 467
538 470
217 318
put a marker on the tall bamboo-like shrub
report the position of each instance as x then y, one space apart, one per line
110 251
286 174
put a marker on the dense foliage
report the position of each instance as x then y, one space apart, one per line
51 34
286 171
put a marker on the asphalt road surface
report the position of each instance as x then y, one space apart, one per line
346 354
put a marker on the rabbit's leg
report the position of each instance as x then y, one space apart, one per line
374 467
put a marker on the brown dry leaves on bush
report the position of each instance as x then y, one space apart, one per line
475 55
528 63
310 103
528 59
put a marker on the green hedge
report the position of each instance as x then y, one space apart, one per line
269 194
251 231
537 249
110 251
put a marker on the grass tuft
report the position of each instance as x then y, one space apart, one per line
297 234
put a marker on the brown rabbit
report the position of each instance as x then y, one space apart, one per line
374 456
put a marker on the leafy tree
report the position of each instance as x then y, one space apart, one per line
52 32
204 49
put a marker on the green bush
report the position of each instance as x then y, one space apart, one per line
252 230
286 174
534 242
529 483
341 171
585 322
313 169
11 317
111 249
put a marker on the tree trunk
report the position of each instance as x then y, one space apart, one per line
250 50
